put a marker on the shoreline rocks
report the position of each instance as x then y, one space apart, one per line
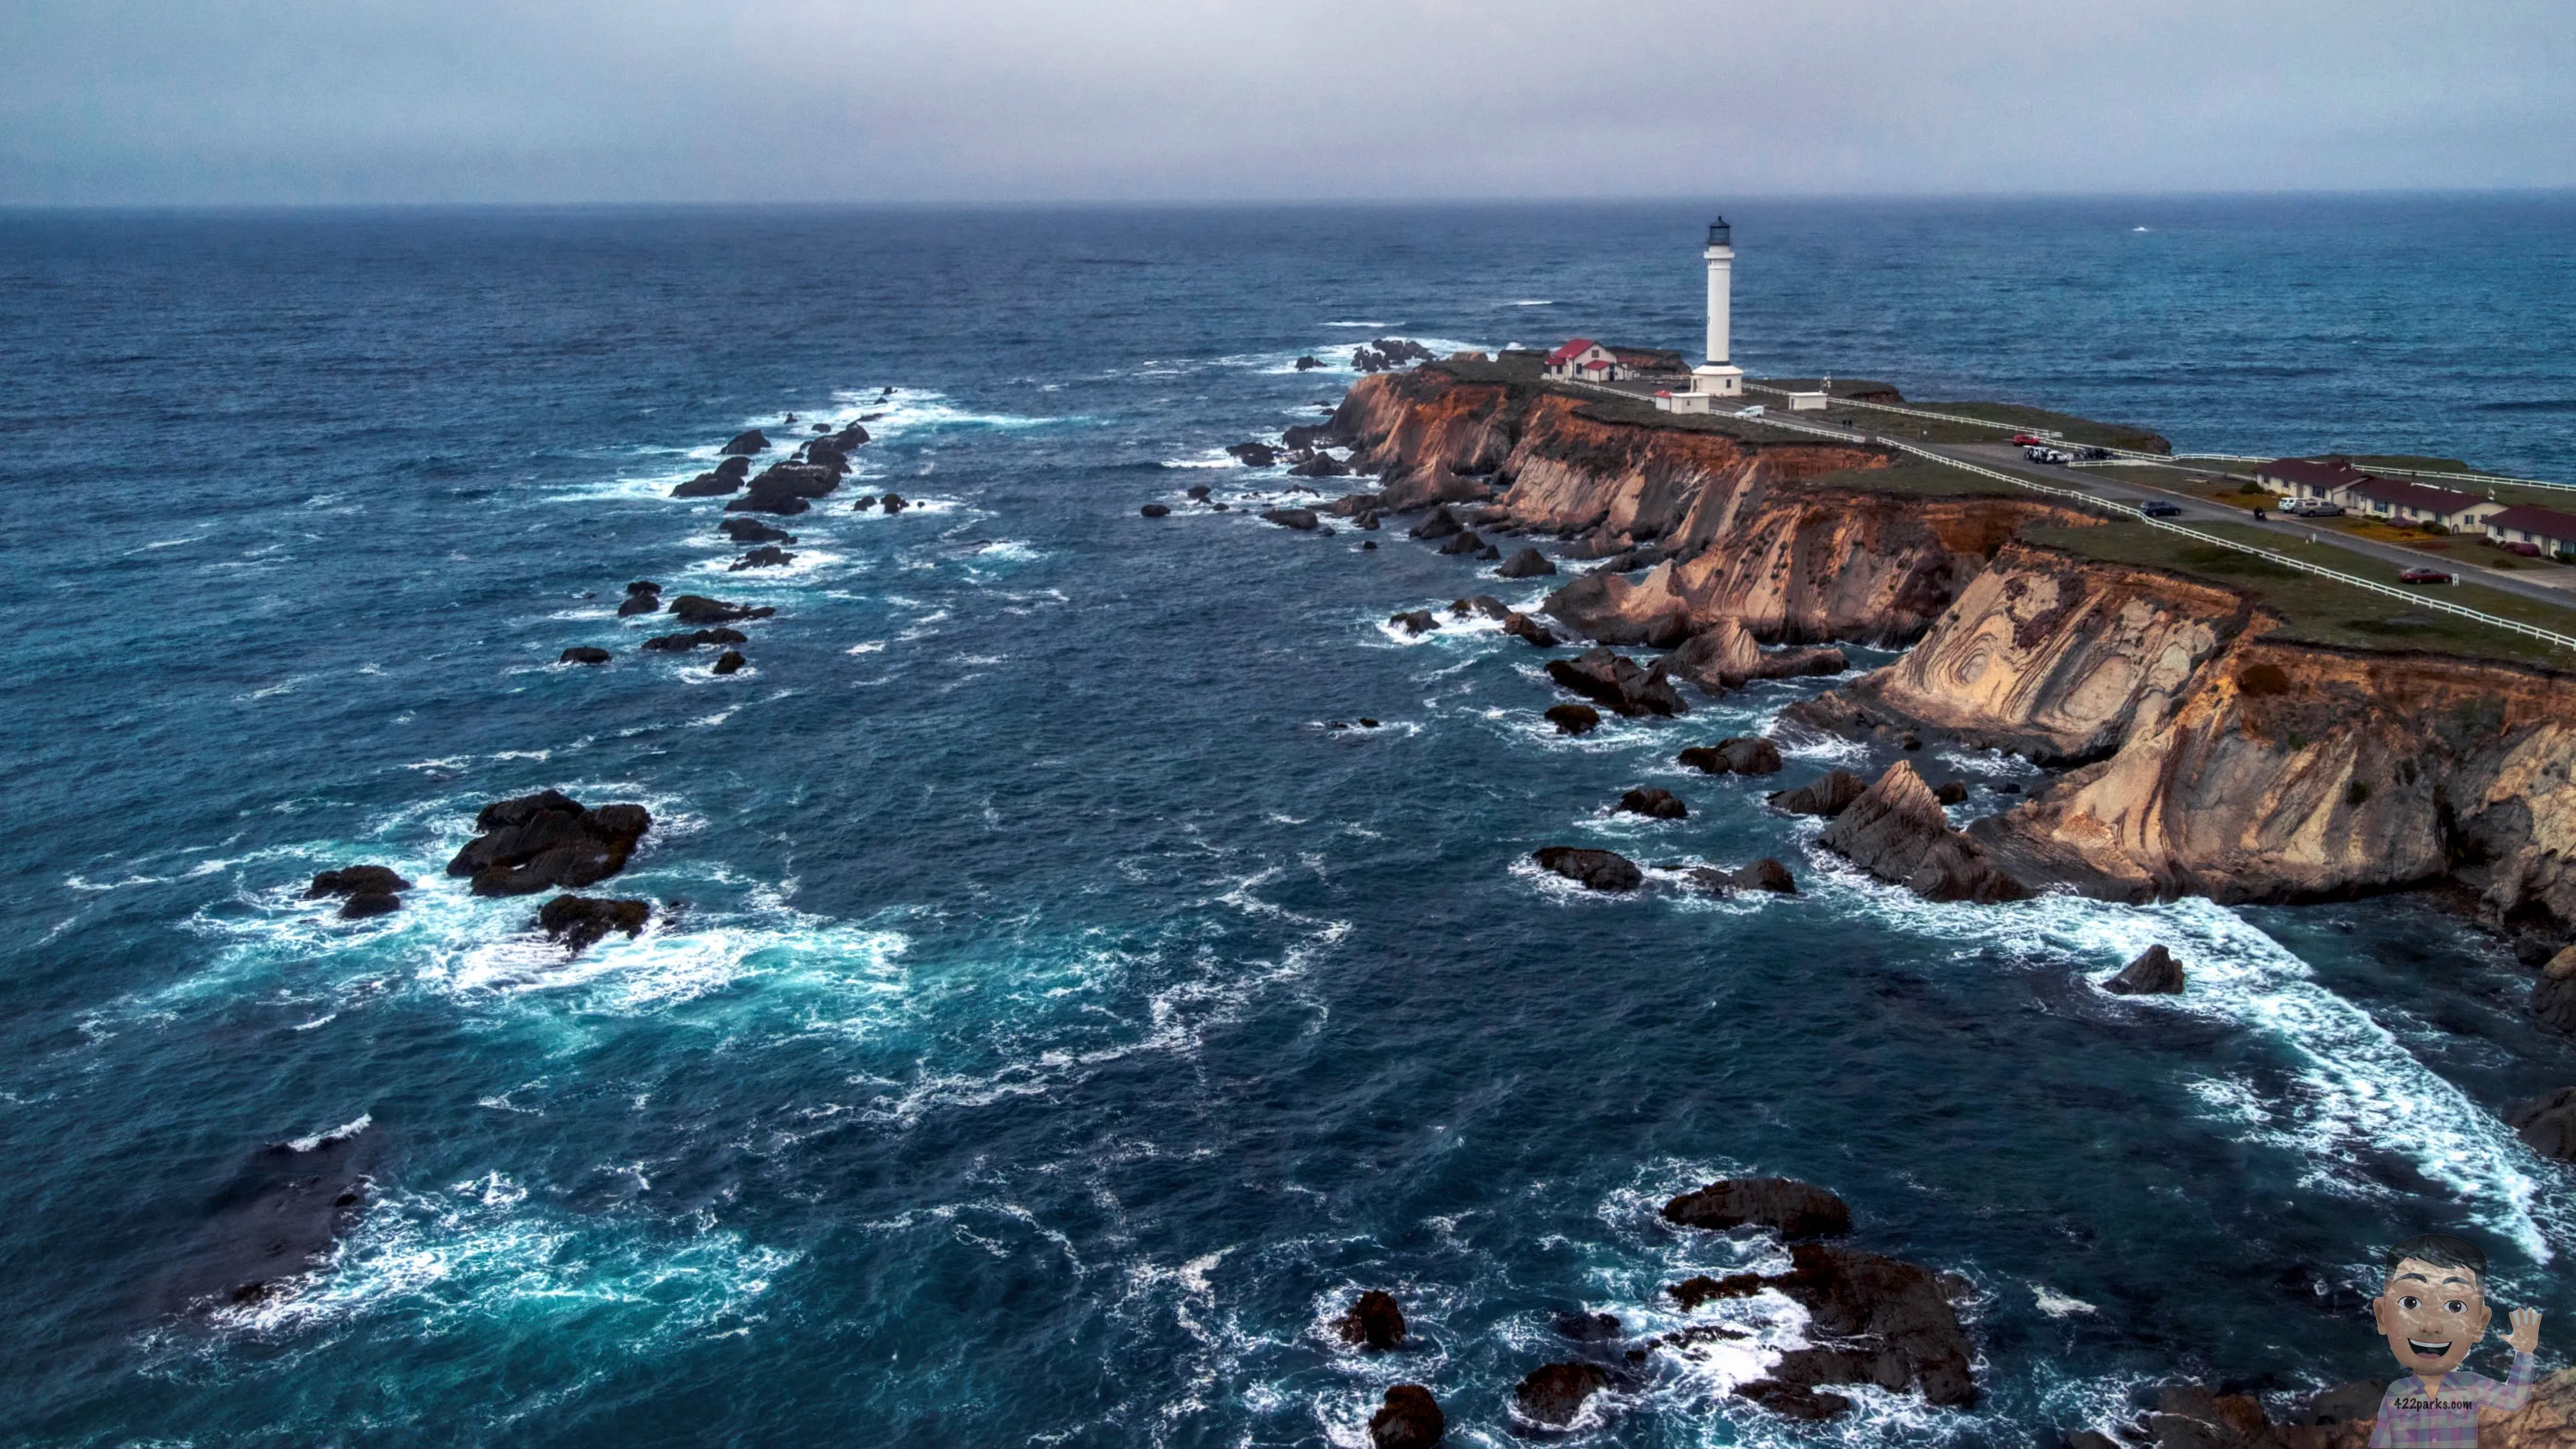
1573 719
1896 830
697 610
1620 683
365 890
1793 1209
533 842
1655 803
1408 1419
583 654
1738 755
1829 796
697 638
2154 973
1375 1321
1553 1394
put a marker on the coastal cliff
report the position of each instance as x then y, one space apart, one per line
2207 753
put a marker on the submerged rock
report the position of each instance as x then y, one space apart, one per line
1410 1418
578 922
1828 797
752 530
642 597
583 654
1896 831
1553 1394
277 1220
2154 973
708 485
1254 455
1156 510
1737 755
748 443
1301 519
366 890
729 662
894 502
1599 870
695 639
697 609
1573 719
1375 1321
767 556
548 839
1654 802
1793 1209
1618 682
1884 1321
1765 874
1416 622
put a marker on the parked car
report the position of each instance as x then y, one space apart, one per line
2313 508
2423 576
2158 508
2524 550
2026 440
2047 455
2091 455
1754 411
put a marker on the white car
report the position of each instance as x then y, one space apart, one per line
1754 411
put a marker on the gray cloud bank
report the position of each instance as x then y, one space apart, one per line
288 101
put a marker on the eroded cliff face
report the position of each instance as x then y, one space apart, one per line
2291 772
2214 757
2054 657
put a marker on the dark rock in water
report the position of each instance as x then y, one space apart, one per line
767 556
1464 542
1889 1322
1767 874
2154 973
1306 435
1254 455
708 485
2547 1124
1369 522
1628 561
823 455
1554 1394
1375 1321
1156 510
1410 1418
1655 802
369 903
1573 719
643 586
1417 623
356 880
639 604
583 654
894 503
1897 832
748 443
728 662
1366 723
1735 755
785 505
1200 491
1307 364
785 488
1619 682
1828 797
1302 519
852 435
2553 996
1950 792
1322 465
1529 630
1588 1327
1490 607
2190 1416
580 921
1600 870
752 530
695 609
865 502
1529 563
1489 553
1725 656
1219 507
276 1220
1441 524
2004 787
1793 1209
1368 545
683 643
548 839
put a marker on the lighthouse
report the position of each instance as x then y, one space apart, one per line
1716 376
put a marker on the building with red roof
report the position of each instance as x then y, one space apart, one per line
2552 532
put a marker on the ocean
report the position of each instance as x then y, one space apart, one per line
1049 1021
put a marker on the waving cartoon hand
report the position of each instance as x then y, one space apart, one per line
2525 1337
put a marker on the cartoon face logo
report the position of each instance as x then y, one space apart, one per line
2431 1314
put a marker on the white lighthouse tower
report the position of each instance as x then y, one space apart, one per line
1716 377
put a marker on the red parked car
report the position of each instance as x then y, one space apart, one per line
2026 440
2423 576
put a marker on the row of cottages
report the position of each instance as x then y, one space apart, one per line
2335 480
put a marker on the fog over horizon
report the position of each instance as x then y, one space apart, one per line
266 102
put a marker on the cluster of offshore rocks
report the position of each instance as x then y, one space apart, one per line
810 471
1871 1319
291 1204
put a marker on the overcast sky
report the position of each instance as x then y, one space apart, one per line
193 101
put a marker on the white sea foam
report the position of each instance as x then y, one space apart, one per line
363 1121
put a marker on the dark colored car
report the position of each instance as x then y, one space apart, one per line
2158 508
2423 576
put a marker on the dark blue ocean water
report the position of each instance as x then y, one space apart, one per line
1062 1023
